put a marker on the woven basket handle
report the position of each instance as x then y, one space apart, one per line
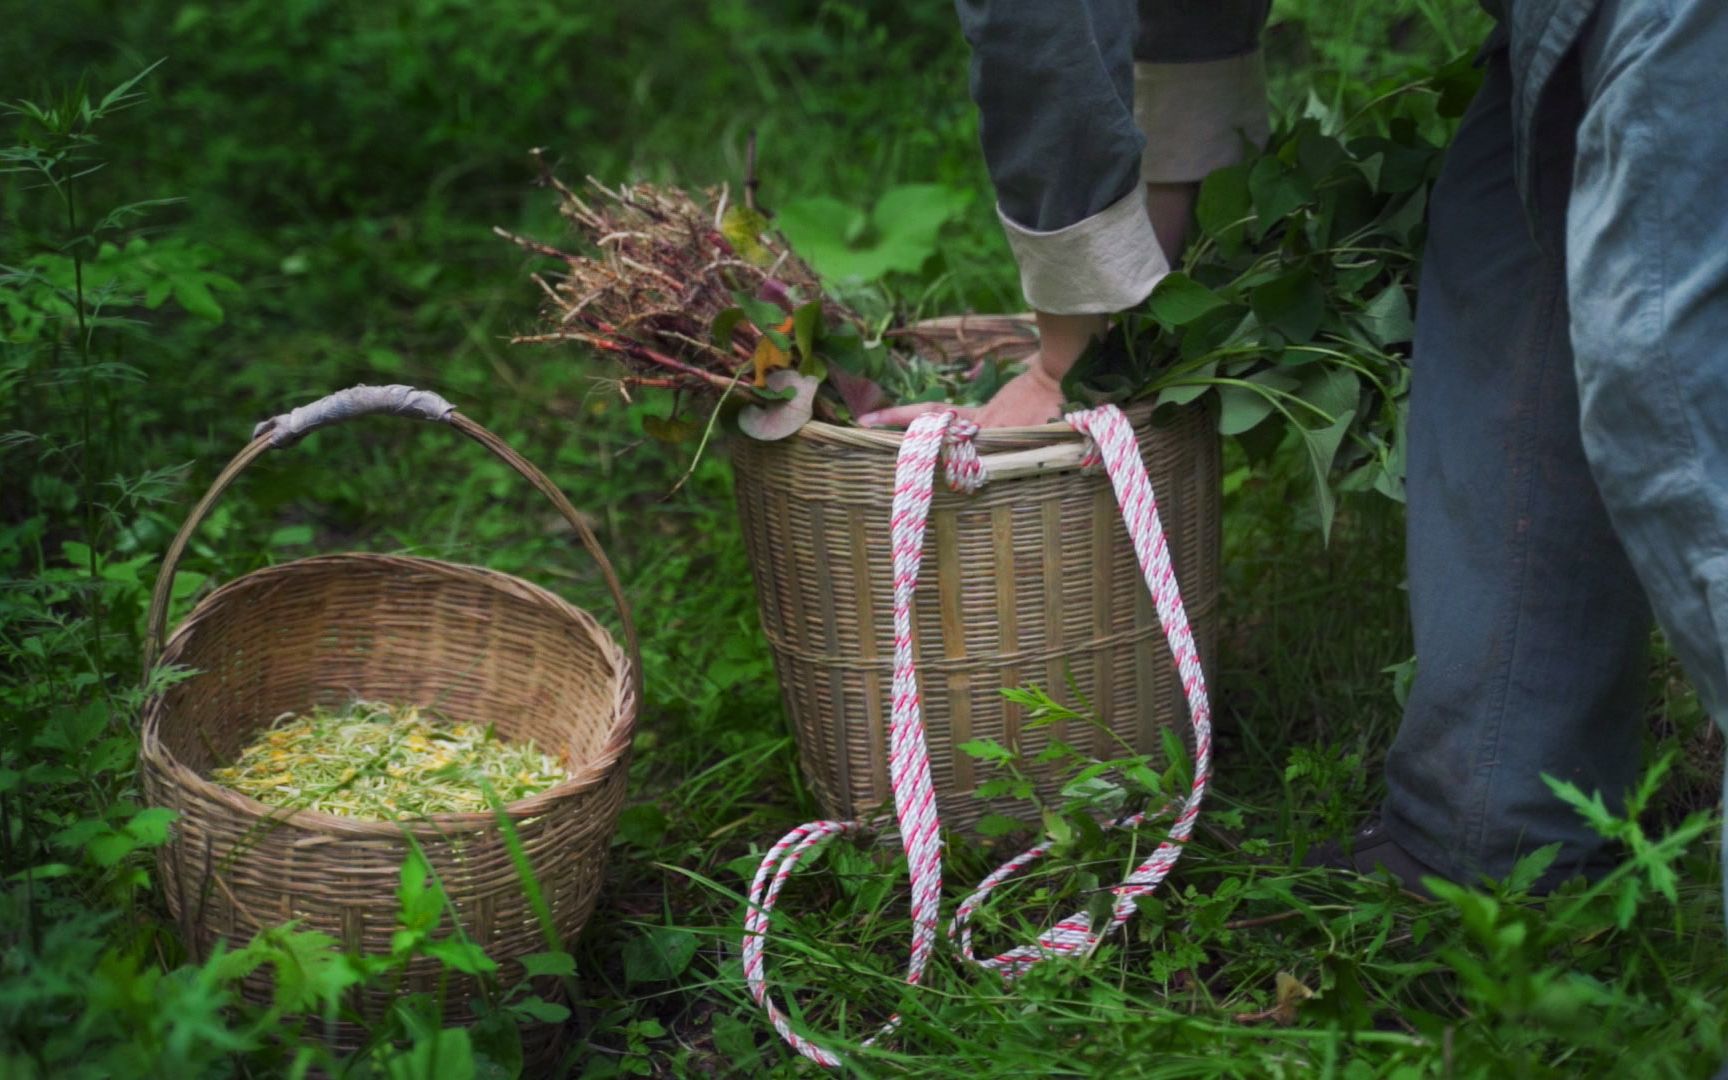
344 405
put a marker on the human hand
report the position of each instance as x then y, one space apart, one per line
1029 398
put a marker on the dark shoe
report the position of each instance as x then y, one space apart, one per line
1372 849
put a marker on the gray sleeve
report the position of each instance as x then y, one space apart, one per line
1062 106
1054 85
1194 31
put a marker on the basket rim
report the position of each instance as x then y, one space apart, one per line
601 767
887 440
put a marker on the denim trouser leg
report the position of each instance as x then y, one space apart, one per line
1530 626
1647 246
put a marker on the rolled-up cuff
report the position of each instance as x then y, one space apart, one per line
1105 263
1196 117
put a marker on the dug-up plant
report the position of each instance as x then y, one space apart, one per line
698 294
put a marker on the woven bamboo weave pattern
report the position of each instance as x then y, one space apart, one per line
473 644
1030 580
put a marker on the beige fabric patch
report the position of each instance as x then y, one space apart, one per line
1196 116
1106 263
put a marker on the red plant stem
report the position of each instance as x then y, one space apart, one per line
643 352
637 351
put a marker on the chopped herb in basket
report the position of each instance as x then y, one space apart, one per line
380 761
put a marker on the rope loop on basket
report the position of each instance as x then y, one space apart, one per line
948 437
961 466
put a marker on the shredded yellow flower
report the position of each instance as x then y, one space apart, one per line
379 761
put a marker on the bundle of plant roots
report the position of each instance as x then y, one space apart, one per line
698 292
676 288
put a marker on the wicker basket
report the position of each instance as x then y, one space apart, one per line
477 645
1032 580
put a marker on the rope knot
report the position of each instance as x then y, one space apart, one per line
1083 421
961 466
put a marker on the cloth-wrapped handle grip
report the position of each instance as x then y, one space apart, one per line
396 400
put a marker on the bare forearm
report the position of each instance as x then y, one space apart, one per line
1062 338
1170 207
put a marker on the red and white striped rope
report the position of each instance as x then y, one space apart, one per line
946 435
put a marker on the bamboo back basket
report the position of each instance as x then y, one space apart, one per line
1033 580
477 645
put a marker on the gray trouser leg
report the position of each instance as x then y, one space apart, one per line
1530 625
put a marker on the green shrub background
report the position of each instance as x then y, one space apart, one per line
335 171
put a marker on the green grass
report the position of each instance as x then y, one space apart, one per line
340 173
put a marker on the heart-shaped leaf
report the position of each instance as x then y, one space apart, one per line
660 954
780 419
743 228
897 236
1178 299
1292 303
769 357
860 394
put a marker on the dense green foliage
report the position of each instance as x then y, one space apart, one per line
300 197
